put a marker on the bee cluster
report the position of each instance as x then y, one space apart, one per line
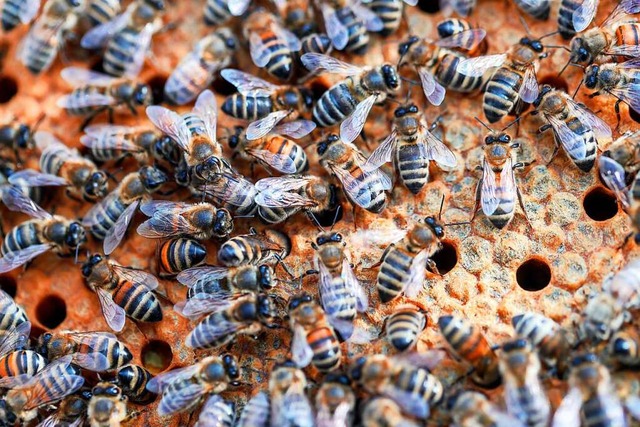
345 292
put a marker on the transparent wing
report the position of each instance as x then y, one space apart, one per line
410 403
476 67
630 6
584 14
98 36
507 181
115 234
33 178
467 39
573 143
295 129
170 123
321 62
630 93
415 283
247 83
42 395
292 41
91 218
15 200
206 108
113 314
158 383
85 100
337 32
350 185
384 152
353 125
260 52
432 89
568 413
332 299
180 399
624 49
231 188
212 331
280 162
613 176
262 127
105 136
371 20
438 151
256 410
353 284
201 304
489 193
150 207
238 7
165 224
47 141
599 126
14 260
15 338
28 10
137 277
192 275
282 195
214 412
301 352
142 44
77 76
529 89
94 361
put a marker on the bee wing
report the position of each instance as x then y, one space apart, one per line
33 178
142 44
354 285
383 152
180 399
630 93
238 7
137 277
191 276
529 90
449 6
467 39
384 179
86 100
213 331
46 141
477 66
214 412
15 200
369 17
170 123
115 234
158 383
280 192
572 143
40 30
109 137
353 125
337 32
613 176
280 162
257 411
295 129
425 359
98 36
77 76
584 14
94 361
15 338
13 260
28 10
621 12
600 127
415 282
301 352
333 302
113 314
293 409
165 224
410 403
630 6
230 188
438 151
432 89
151 207
262 127
489 199
41 394
632 404
568 413
91 217
260 54
247 83
206 107
319 62
292 41
201 304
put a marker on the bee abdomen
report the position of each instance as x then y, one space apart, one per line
21 362
170 405
390 12
275 215
76 100
326 351
597 413
138 302
394 272
120 51
247 107
413 167
21 237
343 303
179 254
189 79
403 329
586 133
280 63
628 34
52 160
201 338
534 408
10 14
501 94
422 383
38 53
334 106
106 217
316 43
358 42
216 12
565 17
101 11
448 75
538 11
133 380
236 251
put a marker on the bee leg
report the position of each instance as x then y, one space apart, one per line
353 213
478 195
617 109
384 254
432 267
284 266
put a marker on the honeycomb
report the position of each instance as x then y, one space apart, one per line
551 263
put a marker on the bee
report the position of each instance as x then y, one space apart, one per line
257 411
11 315
133 380
473 42
591 399
95 93
314 340
617 35
195 134
513 82
316 43
122 291
298 16
574 16
363 185
390 13
95 351
127 37
289 404
72 411
99 12
273 151
347 23
335 402
626 152
349 101
218 12
341 294
539 9
279 198
108 406
198 68
16 12
14 358
109 219
413 388
461 7
202 221
184 388
266 105
110 142
271 46
18 137
523 393
574 127
411 146
603 315
403 264
216 412
36 236
382 411
46 36
255 248
404 326
469 343
8 169
473 409
179 254
57 380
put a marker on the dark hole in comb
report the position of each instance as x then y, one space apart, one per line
36 331
156 83
600 204
429 6
8 89
222 87
9 285
554 81
533 275
635 116
51 311
156 356
446 258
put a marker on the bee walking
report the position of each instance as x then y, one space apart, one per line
347 23
290 406
404 326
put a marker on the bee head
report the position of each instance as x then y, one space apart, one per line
327 238
307 98
591 76
156 4
142 94
96 186
535 45
403 48
299 300
266 308
43 343
23 139
223 225
231 366
265 279
517 344
87 267
579 51
337 378
544 90
74 3
323 146
433 223
152 178
585 358
391 78
403 110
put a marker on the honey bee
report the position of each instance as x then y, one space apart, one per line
56 381
382 411
469 343
411 146
538 9
95 351
109 219
18 137
218 12
514 80
11 314
363 185
98 12
461 7
335 402
72 411
404 326
347 23
46 36
95 93
574 127
133 380
267 105
255 248
602 316
316 43
122 291
624 286
14 358
413 388
216 412
36 236
626 152
110 142
273 151
298 16
289 404
574 16
314 340
257 411
127 37
473 42
202 221
108 406
624 348
184 388
349 101
473 409
7 169
195 134
16 12
403 264
62 166
231 191
523 393
176 255
198 68
279 198
390 13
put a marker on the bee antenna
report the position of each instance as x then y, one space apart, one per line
557 47
548 35
511 124
565 67
408 94
411 82
453 224
316 222
335 218
577 89
77 250
39 122
441 206
483 123
524 24
395 101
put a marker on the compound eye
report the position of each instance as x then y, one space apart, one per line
413 109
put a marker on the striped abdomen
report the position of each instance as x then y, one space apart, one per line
506 206
207 286
120 51
52 159
394 273
537 11
390 12
242 250
179 254
11 315
102 151
358 41
189 78
326 349
419 382
342 303
105 217
56 380
403 329
200 337
21 237
247 107
282 146
78 106
532 407
370 190
446 73
628 34
280 64
101 11
275 215
412 165
216 12
21 362
565 17
40 48
316 43
501 94
598 412
169 405
337 103
137 301
589 140
10 14
133 380
115 352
